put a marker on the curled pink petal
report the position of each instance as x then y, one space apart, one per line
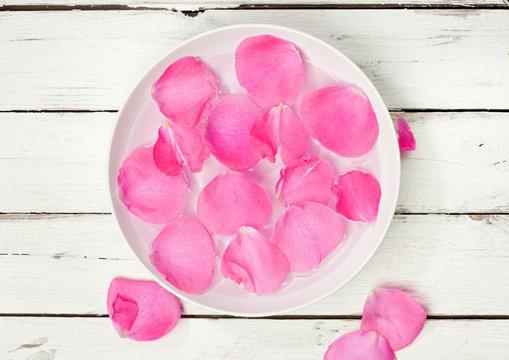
308 179
192 146
233 200
293 138
307 234
166 155
228 128
186 91
395 315
264 135
279 127
147 192
142 310
270 69
358 196
254 261
185 254
341 119
360 345
406 138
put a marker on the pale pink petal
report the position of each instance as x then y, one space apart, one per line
307 234
166 155
142 310
406 138
358 196
307 179
228 129
186 91
293 138
270 69
360 345
341 119
192 146
185 254
147 192
254 261
233 200
264 135
395 315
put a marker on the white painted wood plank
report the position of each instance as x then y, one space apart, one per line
214 4
416 58
74 338
454 265
56 162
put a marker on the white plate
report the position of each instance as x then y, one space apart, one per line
325 66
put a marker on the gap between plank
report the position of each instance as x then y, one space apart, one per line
193 13
278 317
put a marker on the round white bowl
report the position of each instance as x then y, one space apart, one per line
324 66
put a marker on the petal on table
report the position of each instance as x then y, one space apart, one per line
192 145
233 200
307 234
228 128
365 345
293 138
395 315
166 155
358 196
185 254
147 192
341 119
307 179
270 69
186 91
406 138
254 261
142 310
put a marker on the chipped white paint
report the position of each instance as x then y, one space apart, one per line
56 162
440 59
453 264
233 339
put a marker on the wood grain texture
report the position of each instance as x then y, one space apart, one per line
454 265
50 338
438 59
217 4
56 162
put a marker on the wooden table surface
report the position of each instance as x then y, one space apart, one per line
65 68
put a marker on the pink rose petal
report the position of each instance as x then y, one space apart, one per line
406 138
293 138
270 69
142 310
395 315
341 119
186 91
308 179
358 196
192 146
254 261
147 192
166 155
233 200
360 345
307 234
185 254
228 129
264 136
279 127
